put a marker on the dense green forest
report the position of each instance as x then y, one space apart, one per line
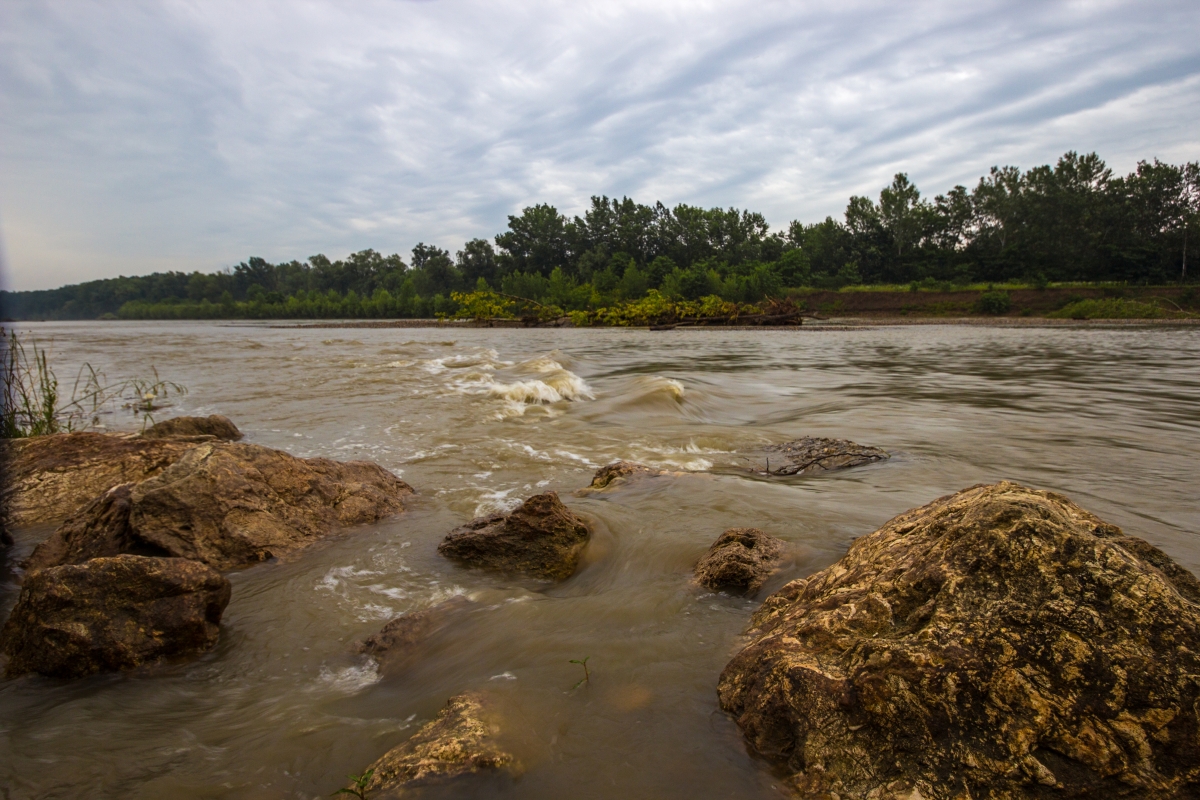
1074 221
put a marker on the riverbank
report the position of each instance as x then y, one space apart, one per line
832 323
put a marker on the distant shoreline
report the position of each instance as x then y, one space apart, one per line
833 323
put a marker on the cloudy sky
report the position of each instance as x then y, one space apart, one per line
143 136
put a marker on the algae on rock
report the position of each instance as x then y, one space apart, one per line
1001 642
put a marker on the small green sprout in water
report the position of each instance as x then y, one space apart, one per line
359 789
587 678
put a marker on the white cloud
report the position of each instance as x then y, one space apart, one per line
190 135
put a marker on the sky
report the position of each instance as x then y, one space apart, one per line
170 135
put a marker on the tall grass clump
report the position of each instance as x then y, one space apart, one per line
31 403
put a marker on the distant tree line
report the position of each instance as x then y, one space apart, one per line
1074 221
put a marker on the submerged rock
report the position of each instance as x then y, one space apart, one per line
458 743
1000 642
214 426
49 478
740 560
401 636
228 506
810 454
542 537
620 472
113 614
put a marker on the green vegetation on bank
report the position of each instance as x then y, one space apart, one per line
1071 222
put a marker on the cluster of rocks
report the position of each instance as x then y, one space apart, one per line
1000 642
132 574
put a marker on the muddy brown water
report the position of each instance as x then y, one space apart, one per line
476 420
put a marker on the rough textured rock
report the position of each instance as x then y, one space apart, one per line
740 560
215 426
400 637
810 454
542 537
113 614
49 478
228 506
997 643
458 743
620 472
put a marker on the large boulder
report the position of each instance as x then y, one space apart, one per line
49 478
227 505
195 428
460 742
739 561
810 454
998 643
113 614
542 537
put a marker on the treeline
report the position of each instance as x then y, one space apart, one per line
1074 221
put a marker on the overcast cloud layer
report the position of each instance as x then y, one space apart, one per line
137 137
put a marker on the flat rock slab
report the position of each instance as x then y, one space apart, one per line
739 561
214 426
49 478
227 505
620 472
460 742
998 643
542 538
113 614
809 455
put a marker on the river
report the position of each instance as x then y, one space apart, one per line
477 420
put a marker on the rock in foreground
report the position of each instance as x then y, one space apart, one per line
113 614
214 426
739 561
811 455
49 478
458 743
542 537
228 506
998 643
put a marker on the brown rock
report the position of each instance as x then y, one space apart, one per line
740 560
458 743
811 454
401 636
227 505
542 538
620 472
997 643
49 478
113 614
215 426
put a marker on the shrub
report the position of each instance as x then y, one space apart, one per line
993 302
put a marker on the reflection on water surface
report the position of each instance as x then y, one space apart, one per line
476 420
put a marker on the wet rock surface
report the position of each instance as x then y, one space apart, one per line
227 505
997 643
542 538
113 614
809 455
460 742
621 472
402 637
49 478
215 426
739 561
